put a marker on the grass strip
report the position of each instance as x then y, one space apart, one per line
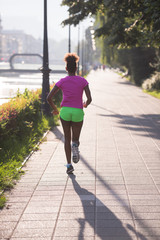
154 93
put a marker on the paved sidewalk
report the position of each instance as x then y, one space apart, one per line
114 193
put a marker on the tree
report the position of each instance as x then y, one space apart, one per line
132 25
126 23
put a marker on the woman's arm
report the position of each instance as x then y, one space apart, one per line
88 95
50 99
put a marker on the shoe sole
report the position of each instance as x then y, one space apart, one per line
75 160
69 172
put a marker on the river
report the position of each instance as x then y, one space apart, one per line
10 83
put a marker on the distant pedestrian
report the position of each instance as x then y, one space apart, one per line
71 113
104 67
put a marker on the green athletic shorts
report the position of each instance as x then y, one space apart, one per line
72 114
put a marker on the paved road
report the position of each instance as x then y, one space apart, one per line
114 193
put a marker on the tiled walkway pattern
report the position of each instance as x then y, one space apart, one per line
114 193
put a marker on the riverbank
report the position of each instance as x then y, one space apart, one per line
11 83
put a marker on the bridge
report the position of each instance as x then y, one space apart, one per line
15 70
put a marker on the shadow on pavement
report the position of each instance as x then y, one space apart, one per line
82 222
104 228
147 125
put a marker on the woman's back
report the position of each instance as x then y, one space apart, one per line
72 88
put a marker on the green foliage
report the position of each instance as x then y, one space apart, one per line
137 61
153 93
18 114
130 25
152 83
125 23
2 201
79 10
21 126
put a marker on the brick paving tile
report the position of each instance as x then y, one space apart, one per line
76 215
104 197
56 189
73 238
16 205
81 209
15 199
45 197
31 233
87 197
18 193
41 209
56 194
75 224
35 224
114 193
149 202
115 238
144 197
30 185
105 191
148 215
9 218
114 209
6 225
142 189
117 202
78 203
5 234
147 222
145 209
139 237
115 232
149 231
115 216
111 215
39 217
113 223
74 232
43 203
31 238
8 212
71 192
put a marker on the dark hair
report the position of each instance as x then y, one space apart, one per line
71 60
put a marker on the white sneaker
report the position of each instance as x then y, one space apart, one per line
75 152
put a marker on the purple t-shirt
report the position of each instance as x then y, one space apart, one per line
72 88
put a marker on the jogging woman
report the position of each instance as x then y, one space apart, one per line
71 113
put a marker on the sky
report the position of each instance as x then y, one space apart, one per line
27 15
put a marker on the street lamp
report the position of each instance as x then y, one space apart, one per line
45 69
78 50
69 39
82 58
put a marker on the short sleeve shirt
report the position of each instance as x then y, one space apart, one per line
72 88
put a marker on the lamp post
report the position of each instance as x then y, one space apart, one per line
82 58
78 50
69 39
45 69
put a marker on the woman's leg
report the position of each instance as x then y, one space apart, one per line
67 138
76 130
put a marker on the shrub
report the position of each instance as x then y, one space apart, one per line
152 83
137 61
22 124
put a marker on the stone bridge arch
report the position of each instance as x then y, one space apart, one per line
22 54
